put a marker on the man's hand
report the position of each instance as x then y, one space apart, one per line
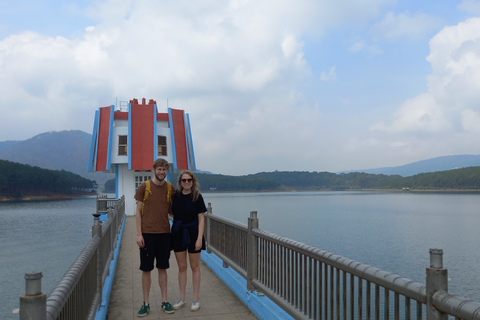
140 241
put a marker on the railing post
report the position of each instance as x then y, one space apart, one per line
33 304
96 204
109 212
97 231
207 226
252 251
437 280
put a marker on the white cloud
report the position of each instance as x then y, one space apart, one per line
238 67
447 117
331 75
405 25
455 59
421 113
471 6
357 45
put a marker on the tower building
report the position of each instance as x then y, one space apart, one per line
128 140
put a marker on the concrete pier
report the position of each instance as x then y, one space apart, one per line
216 299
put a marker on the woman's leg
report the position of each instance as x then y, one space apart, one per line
195 266
182 272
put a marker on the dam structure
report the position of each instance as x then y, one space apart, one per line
247 273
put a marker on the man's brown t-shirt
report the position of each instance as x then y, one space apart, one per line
155 209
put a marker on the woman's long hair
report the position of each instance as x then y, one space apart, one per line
195 184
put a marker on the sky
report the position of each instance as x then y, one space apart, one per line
301 85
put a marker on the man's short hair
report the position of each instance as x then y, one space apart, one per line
160 162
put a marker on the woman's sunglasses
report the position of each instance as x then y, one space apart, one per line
187 180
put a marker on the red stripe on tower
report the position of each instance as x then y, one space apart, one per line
103 132
142 134
178 121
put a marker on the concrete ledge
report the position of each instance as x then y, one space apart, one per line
260 305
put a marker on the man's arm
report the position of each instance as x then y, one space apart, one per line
138 219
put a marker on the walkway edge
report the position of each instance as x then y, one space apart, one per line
101 313
260 305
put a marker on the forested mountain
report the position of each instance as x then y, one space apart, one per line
457 179
429 165
19 180
63 150
69 150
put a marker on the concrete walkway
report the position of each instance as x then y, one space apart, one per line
216 299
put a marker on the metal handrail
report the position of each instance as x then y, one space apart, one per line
311 283
79 293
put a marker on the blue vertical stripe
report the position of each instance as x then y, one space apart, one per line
110 137
155 151
185 126
190 145
92 159
129 137
116 181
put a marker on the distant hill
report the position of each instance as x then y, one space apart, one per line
56 150
7 144
21 182
69 150
429 165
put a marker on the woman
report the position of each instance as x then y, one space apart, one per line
188 209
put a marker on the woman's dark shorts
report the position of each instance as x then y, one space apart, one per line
157 247
177 241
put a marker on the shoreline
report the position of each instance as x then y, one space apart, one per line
67 197
340 190
45 198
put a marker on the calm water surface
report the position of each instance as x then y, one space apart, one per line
42 236
391 231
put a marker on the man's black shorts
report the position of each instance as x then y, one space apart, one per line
157 247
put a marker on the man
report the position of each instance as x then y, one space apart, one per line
153 232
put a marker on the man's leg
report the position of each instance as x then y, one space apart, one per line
146 283
162 281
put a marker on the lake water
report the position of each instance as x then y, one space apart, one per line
391 231
42 236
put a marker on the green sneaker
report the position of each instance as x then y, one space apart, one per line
167 307
143 310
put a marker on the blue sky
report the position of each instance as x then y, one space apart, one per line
269 85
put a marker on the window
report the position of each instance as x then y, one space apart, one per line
122 145
162 145
140 179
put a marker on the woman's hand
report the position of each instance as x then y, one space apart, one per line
198 244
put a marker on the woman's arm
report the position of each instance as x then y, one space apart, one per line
201 227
